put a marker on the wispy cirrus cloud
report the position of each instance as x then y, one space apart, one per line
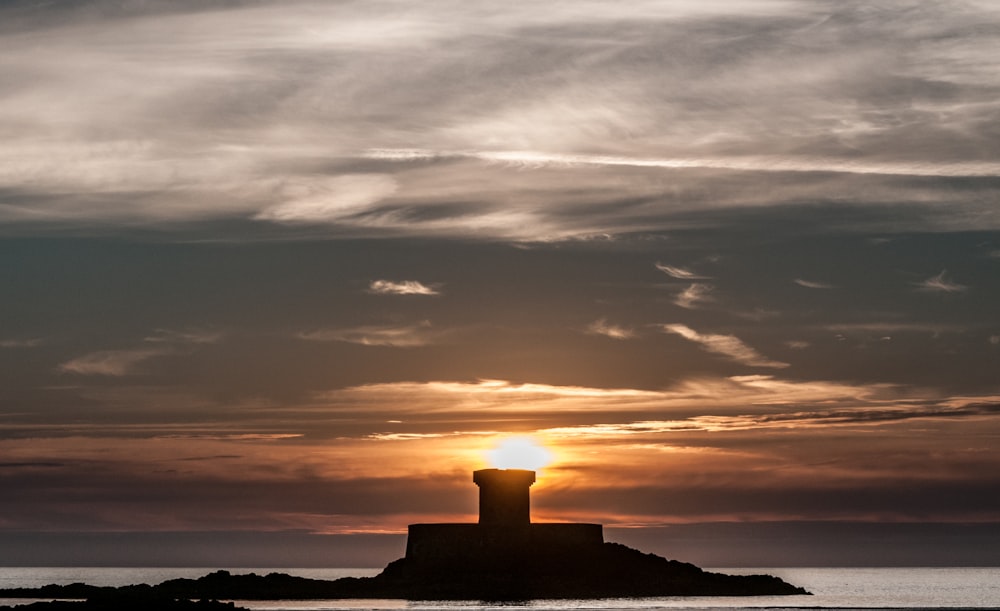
603 327
459 399
941 284
30 342
171 336
114 363
413 436
329 199
679 272
745 163
729 403
729 346
128 361
395 336
232 437
811 284
884 327
870 415
695 295
404 287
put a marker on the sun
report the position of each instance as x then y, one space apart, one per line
519 453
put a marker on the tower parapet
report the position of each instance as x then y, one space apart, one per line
504 498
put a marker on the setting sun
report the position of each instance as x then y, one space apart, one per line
518 453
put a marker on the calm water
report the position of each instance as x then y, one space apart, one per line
879 588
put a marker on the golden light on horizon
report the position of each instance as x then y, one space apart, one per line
519 453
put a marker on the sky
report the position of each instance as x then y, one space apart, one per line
276 275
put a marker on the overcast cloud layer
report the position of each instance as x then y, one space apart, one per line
465 119
275 266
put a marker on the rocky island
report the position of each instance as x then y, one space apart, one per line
502 557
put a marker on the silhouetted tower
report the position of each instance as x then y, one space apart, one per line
505 532
504 500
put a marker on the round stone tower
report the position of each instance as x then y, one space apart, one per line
504 500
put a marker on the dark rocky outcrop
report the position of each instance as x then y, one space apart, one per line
116 602
502 557
605 571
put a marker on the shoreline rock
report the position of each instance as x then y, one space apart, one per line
610 570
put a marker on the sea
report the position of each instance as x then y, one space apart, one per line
832 588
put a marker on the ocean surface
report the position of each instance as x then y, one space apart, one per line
832 588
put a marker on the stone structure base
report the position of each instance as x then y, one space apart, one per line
455 541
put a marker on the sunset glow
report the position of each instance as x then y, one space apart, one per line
300 268
519 453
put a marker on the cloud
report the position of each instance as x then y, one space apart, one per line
897 327
694 296
406 336
453 403
872 415
329 199
459 405
168 336
407 436
232 437
813 285
253 111
679 272
535 159
406 287
602 327
115 363
769 434
726 345
124 362
505 388
21 343
940 284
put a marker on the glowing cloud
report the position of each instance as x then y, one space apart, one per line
726 345
603 327
679 272
940 284
109 362
809 284
328 199
407 336
694 295
819 419
406 287
519 453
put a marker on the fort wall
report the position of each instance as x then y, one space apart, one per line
450 541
